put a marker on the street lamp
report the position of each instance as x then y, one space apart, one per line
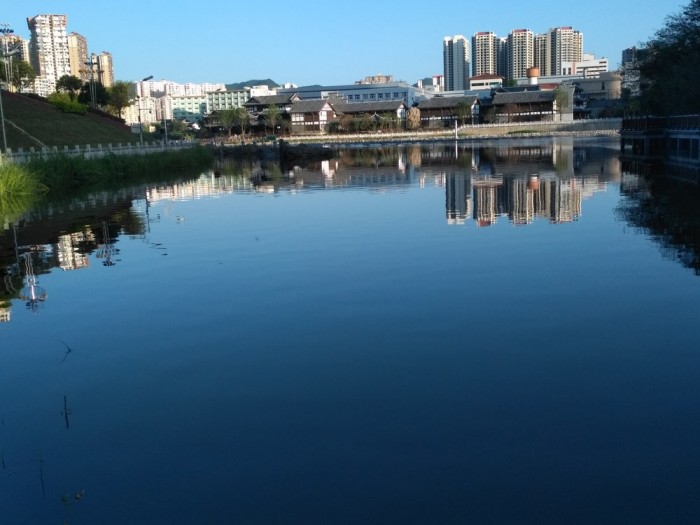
138 101
4 31
2 112
165 124
93 88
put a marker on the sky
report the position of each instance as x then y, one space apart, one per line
314 42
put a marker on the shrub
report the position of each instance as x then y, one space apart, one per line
63 102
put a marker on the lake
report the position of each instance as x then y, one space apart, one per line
485 332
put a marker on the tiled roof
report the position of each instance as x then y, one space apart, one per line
445 102
270 99
486 76
308 106
368 107
524 97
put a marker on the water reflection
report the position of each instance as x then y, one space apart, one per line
516 181
661 201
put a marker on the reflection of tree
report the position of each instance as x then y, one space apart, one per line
370 157
667 210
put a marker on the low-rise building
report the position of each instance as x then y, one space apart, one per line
485 81
311 115
443 112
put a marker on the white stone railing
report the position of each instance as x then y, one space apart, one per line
89 151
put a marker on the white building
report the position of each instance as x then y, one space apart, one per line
564 44
484 53
48 51
589 67
455 59
521 53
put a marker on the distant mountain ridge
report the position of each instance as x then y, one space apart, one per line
248 83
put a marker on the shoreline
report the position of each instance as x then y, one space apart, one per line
417 138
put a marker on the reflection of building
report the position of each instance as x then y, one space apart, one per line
208 185
67 251
521 201
5 313
486 200
458 197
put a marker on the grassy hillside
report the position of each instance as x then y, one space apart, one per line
33 123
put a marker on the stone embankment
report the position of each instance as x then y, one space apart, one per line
582 128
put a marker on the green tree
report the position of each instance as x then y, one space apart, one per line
272 116
464 112
242 120
670 73
69 84
121 95
562 100
101 95
22 74
389 120
227 118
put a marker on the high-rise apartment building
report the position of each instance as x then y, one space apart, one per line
542 53
105 69
455 58
564 44
502 59
484 53
521 53
48 51
78 56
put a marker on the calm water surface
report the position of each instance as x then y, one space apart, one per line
483 333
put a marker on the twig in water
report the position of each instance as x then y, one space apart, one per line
66 412
41 475
68 351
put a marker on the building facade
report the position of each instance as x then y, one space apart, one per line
48 50
564 44
484 53
589 67
222 100
105 69
352 93
455 58
521 53
78 56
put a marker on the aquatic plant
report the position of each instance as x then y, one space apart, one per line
19 190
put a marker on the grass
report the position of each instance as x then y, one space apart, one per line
19 189
69 174
31 123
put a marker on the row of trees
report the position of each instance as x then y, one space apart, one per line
115 98
670 74
239 119
21 74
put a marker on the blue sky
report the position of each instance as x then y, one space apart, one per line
314 42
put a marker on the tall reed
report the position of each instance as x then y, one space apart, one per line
19 190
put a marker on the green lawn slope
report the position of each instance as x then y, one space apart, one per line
33 123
